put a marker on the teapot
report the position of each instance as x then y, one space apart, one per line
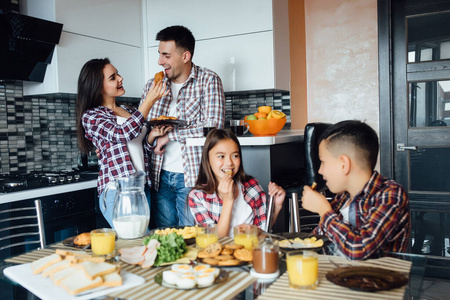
131 212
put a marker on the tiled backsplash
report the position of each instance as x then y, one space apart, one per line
39 132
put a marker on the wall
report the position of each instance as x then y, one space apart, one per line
39 132
341 41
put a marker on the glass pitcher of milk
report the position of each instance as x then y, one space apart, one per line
131 213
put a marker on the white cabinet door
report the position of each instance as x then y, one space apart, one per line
118 21
74 51
209 19
243 62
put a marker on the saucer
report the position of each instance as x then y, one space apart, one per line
262 277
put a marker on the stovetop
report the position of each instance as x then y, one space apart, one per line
38 179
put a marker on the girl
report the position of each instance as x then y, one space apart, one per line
116 131
224 193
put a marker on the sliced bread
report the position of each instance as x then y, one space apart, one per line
56 267
41 264
112 279
93 269
78 282
60 275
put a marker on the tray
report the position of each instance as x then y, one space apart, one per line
222 277
173 123
43 286
367 279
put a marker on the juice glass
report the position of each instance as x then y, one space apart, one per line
246 235
103 241
303 269
206 234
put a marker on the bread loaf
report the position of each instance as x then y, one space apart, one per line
112 279
78 282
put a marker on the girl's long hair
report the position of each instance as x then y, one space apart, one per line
90 87
206 180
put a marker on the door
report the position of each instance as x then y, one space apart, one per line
417 116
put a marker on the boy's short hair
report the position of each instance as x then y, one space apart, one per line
183 37
356 133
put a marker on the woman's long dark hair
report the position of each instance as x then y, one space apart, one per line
206 180
90 87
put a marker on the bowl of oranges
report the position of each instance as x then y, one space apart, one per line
266 122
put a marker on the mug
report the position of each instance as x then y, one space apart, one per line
237 127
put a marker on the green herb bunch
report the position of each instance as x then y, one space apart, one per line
172 247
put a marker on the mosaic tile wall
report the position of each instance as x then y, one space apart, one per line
39 132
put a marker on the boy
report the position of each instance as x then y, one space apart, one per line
370 214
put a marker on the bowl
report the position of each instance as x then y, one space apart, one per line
268 127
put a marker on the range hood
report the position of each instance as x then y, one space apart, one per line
26 46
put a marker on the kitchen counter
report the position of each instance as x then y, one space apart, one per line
47 191
283 137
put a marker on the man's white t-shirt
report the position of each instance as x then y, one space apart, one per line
241 213
135 147
172 157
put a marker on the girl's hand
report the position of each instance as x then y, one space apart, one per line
278 193
156 92
226 189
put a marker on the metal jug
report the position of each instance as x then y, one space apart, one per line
131 213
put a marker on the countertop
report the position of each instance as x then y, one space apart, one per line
284 136
47 191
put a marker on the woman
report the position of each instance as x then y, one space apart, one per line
115 130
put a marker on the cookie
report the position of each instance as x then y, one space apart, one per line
230 262
234 246
226 251
243 254
213 250
202 254
211 261
224 257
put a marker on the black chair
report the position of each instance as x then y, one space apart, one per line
21 229
306 221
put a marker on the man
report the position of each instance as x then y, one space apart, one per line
370 214
196 96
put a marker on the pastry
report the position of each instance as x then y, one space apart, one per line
230 262
226 251
234 246
159 76
211 261
223 257
82 239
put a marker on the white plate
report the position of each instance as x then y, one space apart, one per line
43 286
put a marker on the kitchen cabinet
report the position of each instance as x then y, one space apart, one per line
245 42
98 29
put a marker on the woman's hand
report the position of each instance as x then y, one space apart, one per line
156 92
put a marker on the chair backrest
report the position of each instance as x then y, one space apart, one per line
20 227
312 134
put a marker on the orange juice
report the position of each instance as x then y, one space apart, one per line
247 240
205 239
303 269
103 241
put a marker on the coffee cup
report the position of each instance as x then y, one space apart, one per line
238 127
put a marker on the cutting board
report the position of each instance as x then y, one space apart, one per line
43 287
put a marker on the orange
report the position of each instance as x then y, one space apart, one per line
260 115
264 109
269 115
278 114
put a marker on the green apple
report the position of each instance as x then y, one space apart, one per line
251 117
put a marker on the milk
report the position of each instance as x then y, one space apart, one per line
131 227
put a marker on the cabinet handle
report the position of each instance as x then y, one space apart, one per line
402 147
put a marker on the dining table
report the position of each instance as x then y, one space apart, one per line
240 284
